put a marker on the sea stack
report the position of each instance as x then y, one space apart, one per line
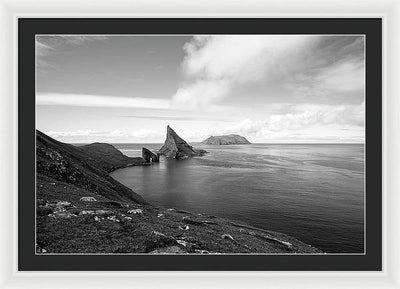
226 140
177 148
149 156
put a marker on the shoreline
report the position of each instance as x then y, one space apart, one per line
121 221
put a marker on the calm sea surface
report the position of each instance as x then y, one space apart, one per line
312 192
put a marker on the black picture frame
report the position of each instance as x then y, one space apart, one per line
29 27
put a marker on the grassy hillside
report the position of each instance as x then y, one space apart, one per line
82 168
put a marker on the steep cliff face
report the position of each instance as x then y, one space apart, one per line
176 147
83 168
149 156
226 140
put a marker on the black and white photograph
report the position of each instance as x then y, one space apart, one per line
200 144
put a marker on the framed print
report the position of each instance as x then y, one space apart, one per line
202 144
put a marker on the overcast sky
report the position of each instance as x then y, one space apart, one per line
267 88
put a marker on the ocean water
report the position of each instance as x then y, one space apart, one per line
313 192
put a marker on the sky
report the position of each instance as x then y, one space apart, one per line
267 88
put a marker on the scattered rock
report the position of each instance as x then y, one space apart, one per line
87 212
182 242
160 215
97 219
227 236
159 234
40 250
127 218
209 222
202 251
62 214
136 211
59 209
113 219
88 199
168 250
103 212
63 204
149 156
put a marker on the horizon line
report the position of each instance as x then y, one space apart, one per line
198 142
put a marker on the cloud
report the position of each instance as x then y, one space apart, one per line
182 118
214 65
141 135
306 122
324 69
200 94
87 100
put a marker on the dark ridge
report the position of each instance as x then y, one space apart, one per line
86 168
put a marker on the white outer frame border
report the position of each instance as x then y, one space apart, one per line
389 10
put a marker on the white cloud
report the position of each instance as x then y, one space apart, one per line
307 122
200 95
213 65
141 135
100 101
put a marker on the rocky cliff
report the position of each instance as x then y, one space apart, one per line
226 140
176 147
86 168
149 156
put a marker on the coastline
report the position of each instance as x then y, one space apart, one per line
118 223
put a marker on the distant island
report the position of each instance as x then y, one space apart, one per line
226 140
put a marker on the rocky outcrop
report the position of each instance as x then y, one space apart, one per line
149 156
226 140
177 148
